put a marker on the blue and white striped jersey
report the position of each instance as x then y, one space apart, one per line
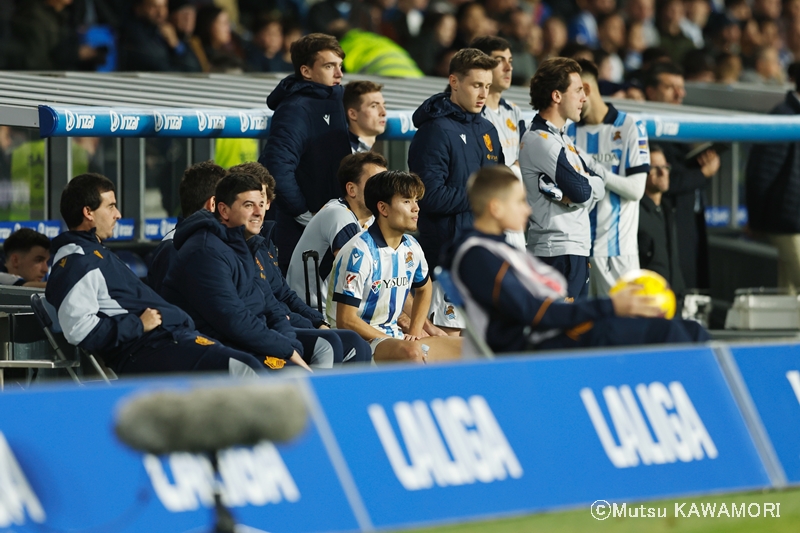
371 275
620 145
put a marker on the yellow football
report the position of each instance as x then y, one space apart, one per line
653 284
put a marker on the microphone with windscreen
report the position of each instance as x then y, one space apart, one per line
209 420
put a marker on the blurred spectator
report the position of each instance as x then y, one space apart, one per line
635 44
472 22
554 37
725 35
500 9
436 35
739 10
767 9
729 68
670 16
183 16
517 30
698 66
219 44
265 53
579 51
791 10
151 43
47 40
773 192
664 83
696 18
323 13
583 28
611 38
771 36
404 23
643 12
767 68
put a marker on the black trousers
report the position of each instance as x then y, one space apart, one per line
185 351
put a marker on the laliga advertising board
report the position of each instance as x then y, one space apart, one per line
519 435
409 445
771 374
63 469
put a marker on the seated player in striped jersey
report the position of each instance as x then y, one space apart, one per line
377 269
518 302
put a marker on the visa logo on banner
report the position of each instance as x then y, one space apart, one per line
16 496
254 476
472 437
679 433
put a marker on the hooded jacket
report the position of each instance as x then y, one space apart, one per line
773 180
213 278
513 315
307 141
449 146
99 299
300 314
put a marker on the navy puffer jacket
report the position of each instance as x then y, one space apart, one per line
213 279
449 146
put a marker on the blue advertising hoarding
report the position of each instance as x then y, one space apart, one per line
771 374
64 470
530 434
395 448
156 228
49 228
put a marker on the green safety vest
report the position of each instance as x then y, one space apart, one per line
370 53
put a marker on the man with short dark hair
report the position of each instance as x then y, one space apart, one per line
196 192
366 113
104 308
26 254
506 116
561 187
308 137
336 223
453 141
375 272
618 142
664 82
657 237
213 277
347 345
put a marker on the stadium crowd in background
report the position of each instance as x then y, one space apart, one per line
712 40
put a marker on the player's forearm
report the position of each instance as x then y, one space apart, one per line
628 187
347 318
419 309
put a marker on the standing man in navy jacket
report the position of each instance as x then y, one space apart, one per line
453 141
308 137
104 308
